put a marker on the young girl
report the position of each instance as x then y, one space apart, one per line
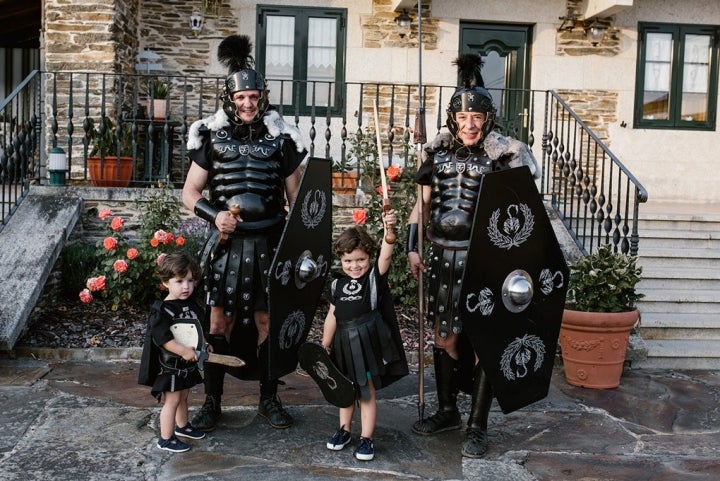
174 365
361 332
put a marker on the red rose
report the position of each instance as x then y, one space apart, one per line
394 172
180 241
104 214
360 216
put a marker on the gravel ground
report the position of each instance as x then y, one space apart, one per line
71 324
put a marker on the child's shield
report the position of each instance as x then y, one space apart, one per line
301 264
337 389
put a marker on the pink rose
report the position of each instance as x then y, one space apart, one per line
120 266
132 253
117 223
104 214
110 243
85 296
160 258
360 216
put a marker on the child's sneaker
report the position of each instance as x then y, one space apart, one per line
365 450
174 445
338 440
189 432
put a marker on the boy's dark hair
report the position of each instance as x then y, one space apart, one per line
177 264
354 238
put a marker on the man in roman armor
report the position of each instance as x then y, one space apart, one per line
451 175
248 158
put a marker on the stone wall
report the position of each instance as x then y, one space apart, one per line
597 108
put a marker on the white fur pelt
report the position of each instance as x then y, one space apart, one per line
496 146
275 124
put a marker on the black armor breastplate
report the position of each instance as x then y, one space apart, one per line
247 174
455 188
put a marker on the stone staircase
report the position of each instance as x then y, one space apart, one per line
680 256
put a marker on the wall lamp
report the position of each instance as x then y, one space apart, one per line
596 32
403 21
196 23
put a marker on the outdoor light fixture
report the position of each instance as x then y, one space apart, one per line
596 32
196 23
57 165
403 21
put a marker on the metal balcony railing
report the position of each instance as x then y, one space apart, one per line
596 197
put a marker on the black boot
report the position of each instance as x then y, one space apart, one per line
446 377
476 442
207 417
270 406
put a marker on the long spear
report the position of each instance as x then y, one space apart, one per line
390 236
419 138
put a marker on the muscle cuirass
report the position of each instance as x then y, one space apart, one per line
248 174
455 188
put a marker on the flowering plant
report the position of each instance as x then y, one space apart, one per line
127 260
126 271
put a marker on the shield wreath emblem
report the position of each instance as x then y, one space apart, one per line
513 289
299 268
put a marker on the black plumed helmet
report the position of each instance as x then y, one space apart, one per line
471 95
235 53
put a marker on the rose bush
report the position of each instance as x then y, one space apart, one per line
126 272
127 260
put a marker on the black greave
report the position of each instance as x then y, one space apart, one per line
215 373
447 379
481 400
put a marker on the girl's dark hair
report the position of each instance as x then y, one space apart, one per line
354 238
178 264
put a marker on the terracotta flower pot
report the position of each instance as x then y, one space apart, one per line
107 174
344 182
593 346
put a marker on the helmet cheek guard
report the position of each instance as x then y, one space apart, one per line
475 99
246 79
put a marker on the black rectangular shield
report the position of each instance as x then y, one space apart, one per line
513 289
301 264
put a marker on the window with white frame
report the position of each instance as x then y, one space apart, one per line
677 76
301 52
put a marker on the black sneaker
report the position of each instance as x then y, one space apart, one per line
189 432
339 440
174 445
365 450
208 415
476 443
272 409
437 423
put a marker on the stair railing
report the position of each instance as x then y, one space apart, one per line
594 194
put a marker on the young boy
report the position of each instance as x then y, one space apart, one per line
176 370
361 332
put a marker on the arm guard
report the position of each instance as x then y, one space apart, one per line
412 238
205 210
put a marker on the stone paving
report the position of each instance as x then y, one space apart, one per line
89 420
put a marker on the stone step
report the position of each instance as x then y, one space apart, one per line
701 281
686 296
681 354
679 239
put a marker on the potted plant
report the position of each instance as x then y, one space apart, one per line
598 317
157 93
107 169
